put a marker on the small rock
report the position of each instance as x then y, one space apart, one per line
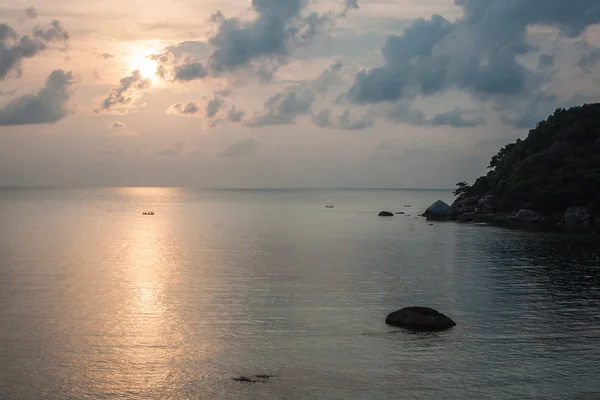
420 318
400 213
386 214
243 379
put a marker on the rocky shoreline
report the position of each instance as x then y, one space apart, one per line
484 210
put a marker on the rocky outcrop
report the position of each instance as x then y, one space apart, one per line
578 219
423 318
386 214
485 210
525 215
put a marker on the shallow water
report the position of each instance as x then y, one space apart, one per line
98 301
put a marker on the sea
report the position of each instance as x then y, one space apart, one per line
98 301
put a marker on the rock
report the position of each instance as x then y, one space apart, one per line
424 318
438 211
400 213
243 379
578 219
525 215
386 214
489 217
467 217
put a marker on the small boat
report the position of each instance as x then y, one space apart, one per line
148 213
329 206
407 205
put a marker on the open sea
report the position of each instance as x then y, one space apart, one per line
98 301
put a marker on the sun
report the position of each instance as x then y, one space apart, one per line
144 64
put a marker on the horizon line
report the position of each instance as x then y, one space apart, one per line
221 188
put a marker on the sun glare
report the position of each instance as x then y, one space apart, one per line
144 64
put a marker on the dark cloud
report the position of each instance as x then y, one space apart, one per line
235 114
14 48
116 125
172 62
213 106
546 61
456 118
243 148
261 44
105 56
49 104
31 13
190 72
478 53
189 108
54 32
121 98
283 107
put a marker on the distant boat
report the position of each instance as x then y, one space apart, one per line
148 213
329 206
407 205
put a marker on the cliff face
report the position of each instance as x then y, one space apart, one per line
553 172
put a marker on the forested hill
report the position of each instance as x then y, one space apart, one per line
556 166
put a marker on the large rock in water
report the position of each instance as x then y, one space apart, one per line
424 318
438 211
386 214
578 219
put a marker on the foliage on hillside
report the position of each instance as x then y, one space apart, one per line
556 166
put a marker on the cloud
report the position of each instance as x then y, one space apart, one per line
278 26
456 118
182 61
329 77
14 48
479 53
213 106
346 121
116 125
31 13
174 150
324 119
190 72
349 5
235 115
240 149
105 56
260 45
590 57
189 108
48 105
121 99
283 107
8 92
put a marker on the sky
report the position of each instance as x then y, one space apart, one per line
282 93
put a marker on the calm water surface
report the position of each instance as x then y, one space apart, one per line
100 302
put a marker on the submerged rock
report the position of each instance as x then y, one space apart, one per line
386 214
424 318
